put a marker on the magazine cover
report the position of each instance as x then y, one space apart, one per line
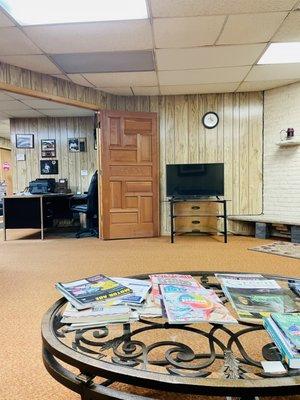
169 279
174 279
185 305
254 304
290 325
247 281
83 293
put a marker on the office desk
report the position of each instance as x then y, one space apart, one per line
35 211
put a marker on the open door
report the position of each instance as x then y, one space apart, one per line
128 175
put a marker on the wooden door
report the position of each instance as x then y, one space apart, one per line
128 175
6 173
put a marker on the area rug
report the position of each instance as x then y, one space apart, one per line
285 249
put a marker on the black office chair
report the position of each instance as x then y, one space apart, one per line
88 204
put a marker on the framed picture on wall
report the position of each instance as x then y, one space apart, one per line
48 148
24 141
73 145
49 167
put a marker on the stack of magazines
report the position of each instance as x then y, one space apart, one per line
254 297
284 330
99 300
185 300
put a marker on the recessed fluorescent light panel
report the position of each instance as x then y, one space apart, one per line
43 12
281 53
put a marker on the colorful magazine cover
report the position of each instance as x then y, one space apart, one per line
290 325
84 293
169 279
254 304
186 305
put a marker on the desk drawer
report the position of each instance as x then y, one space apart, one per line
195 208
196 224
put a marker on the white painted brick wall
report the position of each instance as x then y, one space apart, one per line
281 164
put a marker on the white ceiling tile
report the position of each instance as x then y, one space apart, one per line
187 32
17 96
80 80
204 88
122 91
3 116
290 29
185 8
240 28
92 37
12 105
122 79
43 104
263 85
208 57
198 76
4 95
13 42
5 21
25 114
39 63
274 72
74 112
145 90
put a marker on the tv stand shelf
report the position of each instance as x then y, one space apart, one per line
192 211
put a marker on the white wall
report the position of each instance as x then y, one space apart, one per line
281 164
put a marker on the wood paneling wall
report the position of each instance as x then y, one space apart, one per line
5 143
49 85
237 140
69 164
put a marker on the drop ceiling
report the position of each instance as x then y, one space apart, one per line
186 46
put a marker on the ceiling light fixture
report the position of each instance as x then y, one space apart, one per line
281 53
38 12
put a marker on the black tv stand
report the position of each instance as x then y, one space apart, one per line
176 200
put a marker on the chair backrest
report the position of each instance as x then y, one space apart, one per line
92 195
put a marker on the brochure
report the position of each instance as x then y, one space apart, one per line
247 281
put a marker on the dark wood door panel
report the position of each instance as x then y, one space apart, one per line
129 180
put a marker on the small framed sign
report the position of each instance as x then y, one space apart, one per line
49 167
24 141
73 145
48 148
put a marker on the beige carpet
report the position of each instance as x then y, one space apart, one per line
29 268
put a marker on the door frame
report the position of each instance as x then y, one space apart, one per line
103 170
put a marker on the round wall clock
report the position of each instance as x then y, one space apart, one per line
210 120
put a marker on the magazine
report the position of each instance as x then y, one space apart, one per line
295 287
186 305
246 281
140 290
290 325
85 293
169 279
253 304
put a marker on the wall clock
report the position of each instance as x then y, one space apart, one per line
210 120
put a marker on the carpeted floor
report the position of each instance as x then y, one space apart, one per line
30 267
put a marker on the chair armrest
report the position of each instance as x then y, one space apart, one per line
78 199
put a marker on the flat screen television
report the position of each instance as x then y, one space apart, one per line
195 180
